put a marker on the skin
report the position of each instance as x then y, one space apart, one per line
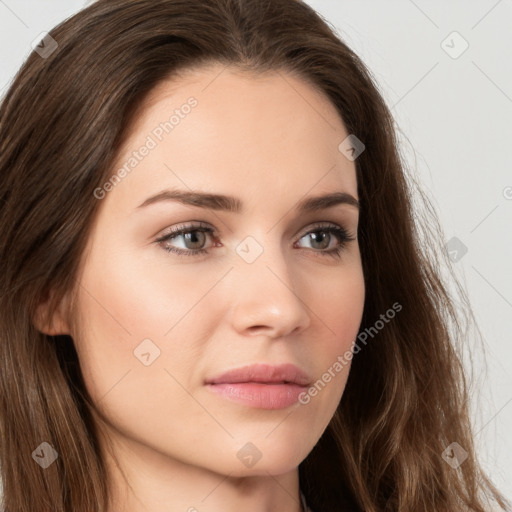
270 140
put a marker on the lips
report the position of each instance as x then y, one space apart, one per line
264 374
261 386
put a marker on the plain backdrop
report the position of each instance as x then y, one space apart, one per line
445 70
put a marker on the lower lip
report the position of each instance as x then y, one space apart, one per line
258 395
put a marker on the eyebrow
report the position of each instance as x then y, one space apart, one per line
235 205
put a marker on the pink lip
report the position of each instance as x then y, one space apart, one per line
261 386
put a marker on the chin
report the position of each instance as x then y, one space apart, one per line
259 456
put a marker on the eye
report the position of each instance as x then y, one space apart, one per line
322 236
194 237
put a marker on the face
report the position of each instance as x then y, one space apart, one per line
177 290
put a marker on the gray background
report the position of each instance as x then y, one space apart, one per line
455 111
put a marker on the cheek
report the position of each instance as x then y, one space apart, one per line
128 363
129 316
339 311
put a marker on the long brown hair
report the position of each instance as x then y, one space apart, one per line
61 123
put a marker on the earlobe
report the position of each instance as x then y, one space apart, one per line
57 324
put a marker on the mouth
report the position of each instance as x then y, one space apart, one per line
261 386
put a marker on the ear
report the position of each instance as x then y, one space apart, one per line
56 325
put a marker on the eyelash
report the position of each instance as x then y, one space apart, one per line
342 234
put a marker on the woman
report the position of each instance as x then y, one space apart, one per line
215 295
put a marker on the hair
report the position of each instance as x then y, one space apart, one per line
62 123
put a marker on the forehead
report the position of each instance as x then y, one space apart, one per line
273 131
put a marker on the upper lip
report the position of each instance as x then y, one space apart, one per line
263 373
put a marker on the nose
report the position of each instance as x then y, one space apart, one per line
268 299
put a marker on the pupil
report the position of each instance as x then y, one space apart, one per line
192 236
319 238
